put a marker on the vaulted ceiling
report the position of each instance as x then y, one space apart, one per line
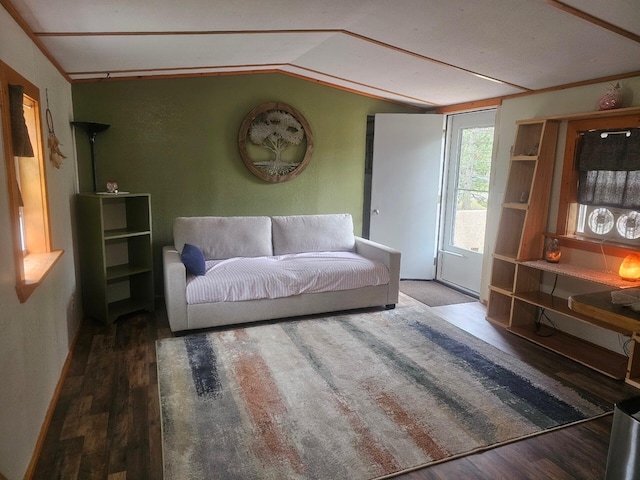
424 53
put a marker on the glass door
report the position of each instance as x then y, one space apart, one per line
466 191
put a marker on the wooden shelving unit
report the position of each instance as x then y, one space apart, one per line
521 221
529 302
595 357
516 301
116 262
576 271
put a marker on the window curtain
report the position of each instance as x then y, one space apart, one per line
19 134
609 168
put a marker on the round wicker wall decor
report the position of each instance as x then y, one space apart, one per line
275 142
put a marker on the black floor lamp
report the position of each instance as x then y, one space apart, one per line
92 130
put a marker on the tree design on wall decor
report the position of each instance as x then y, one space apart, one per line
275 142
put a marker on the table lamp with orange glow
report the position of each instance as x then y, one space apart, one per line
630 268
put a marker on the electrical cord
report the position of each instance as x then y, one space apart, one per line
542 314
604 257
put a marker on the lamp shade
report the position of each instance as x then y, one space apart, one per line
91 127
630 268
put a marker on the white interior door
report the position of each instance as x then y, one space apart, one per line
405 188
466 193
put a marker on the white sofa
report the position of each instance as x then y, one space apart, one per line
320 248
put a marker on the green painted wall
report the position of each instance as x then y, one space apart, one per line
177 139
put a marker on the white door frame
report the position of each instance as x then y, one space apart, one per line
458 267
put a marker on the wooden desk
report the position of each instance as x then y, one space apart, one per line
598 305
621 319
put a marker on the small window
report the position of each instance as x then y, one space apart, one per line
600 194
26 181
608 163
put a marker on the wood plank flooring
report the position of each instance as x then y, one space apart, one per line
106 424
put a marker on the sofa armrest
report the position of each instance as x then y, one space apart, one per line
387 256
175 289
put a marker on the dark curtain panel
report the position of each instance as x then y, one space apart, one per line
609 168
19 134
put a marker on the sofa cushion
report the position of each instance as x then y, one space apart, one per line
246 279
193 259
313 233
224 237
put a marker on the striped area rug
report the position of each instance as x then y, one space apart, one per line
354 396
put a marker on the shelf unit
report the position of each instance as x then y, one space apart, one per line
516 300
529 301
524 209
115 246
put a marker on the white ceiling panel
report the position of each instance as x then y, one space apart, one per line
622 13
190 15
419 52
530 43
143 52
351 58
353 86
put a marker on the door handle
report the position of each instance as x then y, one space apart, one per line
375 211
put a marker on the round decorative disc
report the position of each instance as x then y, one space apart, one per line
275 142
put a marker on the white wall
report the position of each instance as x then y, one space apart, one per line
561 102
35 337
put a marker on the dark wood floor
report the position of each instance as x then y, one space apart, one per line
106 424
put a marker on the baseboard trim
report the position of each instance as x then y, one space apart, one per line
37 451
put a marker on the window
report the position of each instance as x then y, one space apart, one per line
608 163
471 188
600 196
26 181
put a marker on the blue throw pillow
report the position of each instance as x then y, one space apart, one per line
193 259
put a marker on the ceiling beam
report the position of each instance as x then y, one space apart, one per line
595 20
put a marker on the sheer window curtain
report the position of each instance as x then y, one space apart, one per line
609 168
